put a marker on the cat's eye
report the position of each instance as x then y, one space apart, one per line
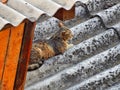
58 38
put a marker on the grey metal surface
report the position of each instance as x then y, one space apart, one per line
115 87
100 81
93 63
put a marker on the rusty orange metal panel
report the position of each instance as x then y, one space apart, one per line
24 56
63 14
4 37
4 1
12 58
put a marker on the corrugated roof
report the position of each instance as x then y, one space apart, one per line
93 63
15 11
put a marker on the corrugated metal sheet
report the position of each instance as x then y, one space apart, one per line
15 11
93 63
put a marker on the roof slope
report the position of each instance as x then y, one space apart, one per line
93 63
15 11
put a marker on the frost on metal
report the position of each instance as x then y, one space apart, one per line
84 70
100 81
111 15
117 27
74 55
93 63
48 27
85 30
115 87
98 5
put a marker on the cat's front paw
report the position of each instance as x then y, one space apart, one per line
34 66
69 46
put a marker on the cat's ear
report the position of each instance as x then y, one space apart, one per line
63 33
60 24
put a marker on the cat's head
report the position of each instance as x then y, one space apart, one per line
64 33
